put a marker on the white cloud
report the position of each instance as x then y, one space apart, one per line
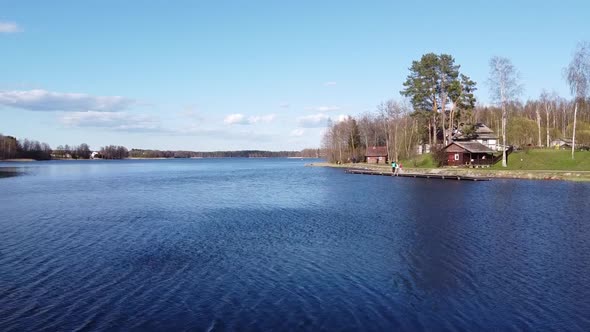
313 121
119 121
298 132
235 119
143 123
241 119
42 100
341 118
323 108
9 27
262 118
330 83
319 120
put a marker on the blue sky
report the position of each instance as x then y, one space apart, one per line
224 75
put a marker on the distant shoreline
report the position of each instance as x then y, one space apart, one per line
17 160
146 158
562 175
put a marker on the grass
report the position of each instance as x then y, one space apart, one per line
531 160
541 164
547 159
420 161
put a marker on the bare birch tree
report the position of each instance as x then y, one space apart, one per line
394 112
577 75
538 116
548 102
504 87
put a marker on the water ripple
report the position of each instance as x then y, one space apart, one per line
271 245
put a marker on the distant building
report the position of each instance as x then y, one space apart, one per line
95 155
487 137
561 143
482 135
60 154
422 148
376 155
469 154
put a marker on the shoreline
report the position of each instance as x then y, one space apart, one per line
555 175
17 160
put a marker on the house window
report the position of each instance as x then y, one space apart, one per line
456 156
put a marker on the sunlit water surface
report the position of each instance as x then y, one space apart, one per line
268 244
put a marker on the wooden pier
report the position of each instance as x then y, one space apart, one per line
417 175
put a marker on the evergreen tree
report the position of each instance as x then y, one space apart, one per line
434 81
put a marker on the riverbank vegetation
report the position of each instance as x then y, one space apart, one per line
114 152
536 164
527 159
440 101
547 159
495 172
306 153
11 148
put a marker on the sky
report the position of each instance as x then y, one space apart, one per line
234 75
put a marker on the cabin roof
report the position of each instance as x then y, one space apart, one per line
481 132
472 147
483 129
376 151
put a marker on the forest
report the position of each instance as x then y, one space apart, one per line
438 100
306 153
11 148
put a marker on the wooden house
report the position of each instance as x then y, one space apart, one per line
376 155
468 153
486 136
483 135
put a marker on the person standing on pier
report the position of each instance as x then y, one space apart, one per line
393 166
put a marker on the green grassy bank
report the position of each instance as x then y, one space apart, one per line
546 159
533 164
533 159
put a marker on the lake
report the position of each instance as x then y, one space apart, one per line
268 244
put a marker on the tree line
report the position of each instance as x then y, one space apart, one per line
11 148
140 153
440 103
114 152
81 151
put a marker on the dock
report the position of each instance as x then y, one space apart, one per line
418 175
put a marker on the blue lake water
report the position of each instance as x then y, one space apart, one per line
268 244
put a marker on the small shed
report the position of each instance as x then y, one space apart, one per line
376 155
561 143
468 153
